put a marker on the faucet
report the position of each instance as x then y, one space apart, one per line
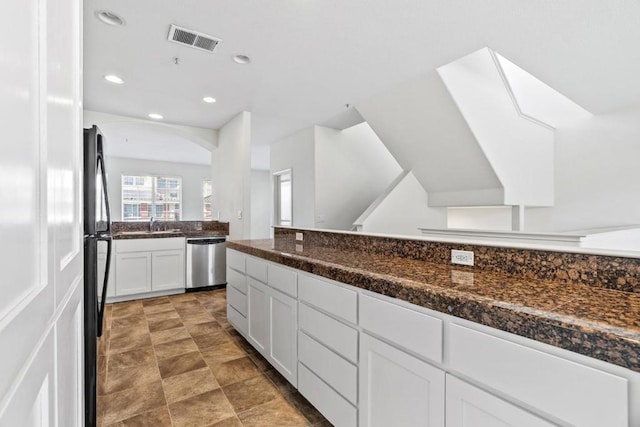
151 223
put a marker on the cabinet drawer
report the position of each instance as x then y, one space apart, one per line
333 406
237 320
257 268
236 260
577 394
237 300
410 329
331 298
283 279
236 280
337 336
333 369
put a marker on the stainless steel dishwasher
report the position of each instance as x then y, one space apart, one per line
206 263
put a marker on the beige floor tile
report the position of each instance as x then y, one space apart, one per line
167 335
234 370
277 412
122 379
249 393
205 328
175 348
181 364
131 358
158 417
229 422
206 368
163 324
223 353
128 322
126 309
158 308
125 404
214 339
118 345
202 410
189 384
155 301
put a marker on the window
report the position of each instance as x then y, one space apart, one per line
144 197
283 197
206 199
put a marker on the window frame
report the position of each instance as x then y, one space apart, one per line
155 202
204 203
277 213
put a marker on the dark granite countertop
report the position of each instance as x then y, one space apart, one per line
125 235
600 323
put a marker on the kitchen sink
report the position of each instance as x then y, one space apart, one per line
145 232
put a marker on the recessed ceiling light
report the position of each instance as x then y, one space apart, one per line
209 100
242 59
114 79
155 116
109 18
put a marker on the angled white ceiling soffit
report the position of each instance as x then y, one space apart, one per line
426 133
536 100
144 139
512 116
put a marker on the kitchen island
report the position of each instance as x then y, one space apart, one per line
520 338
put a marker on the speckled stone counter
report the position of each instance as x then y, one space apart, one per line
596 321
163 229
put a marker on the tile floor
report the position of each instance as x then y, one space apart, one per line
176 361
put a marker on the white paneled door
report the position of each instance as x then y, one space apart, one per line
41 251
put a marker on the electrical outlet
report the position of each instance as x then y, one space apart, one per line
299 237
461 257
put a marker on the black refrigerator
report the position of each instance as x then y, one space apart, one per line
97 229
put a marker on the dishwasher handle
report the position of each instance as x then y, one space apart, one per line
212 241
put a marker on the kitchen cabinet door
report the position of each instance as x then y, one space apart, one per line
469 406
283 331
167 270
397 389
258 315
133 273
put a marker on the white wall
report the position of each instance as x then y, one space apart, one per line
352 168
496 218
405 209
232 176
519 150
424 130
261 203
597 175
192 177
297 153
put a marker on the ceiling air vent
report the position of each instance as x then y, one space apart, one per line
192 38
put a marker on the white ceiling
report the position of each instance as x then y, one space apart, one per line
311 57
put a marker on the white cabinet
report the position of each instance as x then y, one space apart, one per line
469 406
133 273
283 330
364 359
167 269
146 267
398 389
258 314
271 316
237 291
569 391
